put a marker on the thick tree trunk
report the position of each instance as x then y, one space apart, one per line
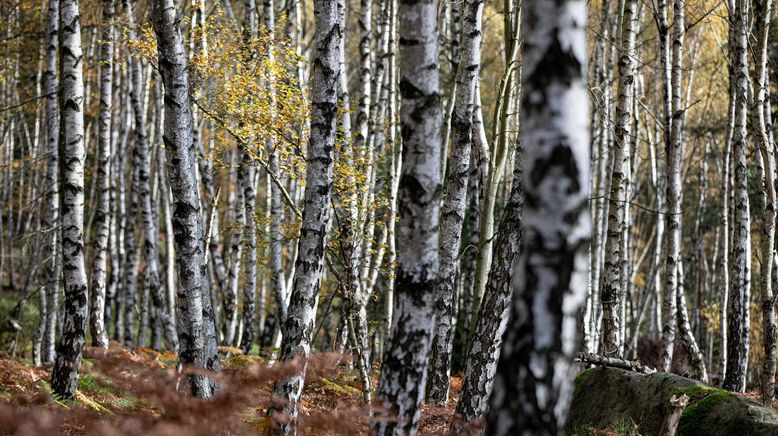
187 217
64 376
401 385
532 387
298 327
454 202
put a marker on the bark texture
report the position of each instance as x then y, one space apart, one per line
298 326
532 387
187 217
737 338
613 294
64 376
452 215
401 385
485 345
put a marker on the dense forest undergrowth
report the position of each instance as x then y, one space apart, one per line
137 392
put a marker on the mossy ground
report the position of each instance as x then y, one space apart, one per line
702 401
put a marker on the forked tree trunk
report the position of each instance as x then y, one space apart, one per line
532 388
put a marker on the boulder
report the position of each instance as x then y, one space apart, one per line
609 398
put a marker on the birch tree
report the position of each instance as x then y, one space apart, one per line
64 376
187 217
298 326
737 339
401 385
674 152
483 349
613 294
760 114
102 217
52 270
532 387
455 200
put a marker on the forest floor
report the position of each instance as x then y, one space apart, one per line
139 391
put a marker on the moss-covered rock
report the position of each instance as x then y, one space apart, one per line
607 396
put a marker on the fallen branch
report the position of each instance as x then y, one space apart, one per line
614 362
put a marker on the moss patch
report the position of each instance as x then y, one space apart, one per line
698 410
582 376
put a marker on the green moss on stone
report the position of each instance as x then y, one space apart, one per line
698 410
582 377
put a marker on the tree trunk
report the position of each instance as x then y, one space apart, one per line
674 153
760 111
64 376
612 292
103 214
50 278
549 279
236 255
298 326
454 201
737 338
187 217
401 385
483 350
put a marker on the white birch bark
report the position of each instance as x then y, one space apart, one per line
533 385
760 116
737 338
187 217
298 326
674 156
483 349
52 270
452 215
71 163
613 294
402 382
102 216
